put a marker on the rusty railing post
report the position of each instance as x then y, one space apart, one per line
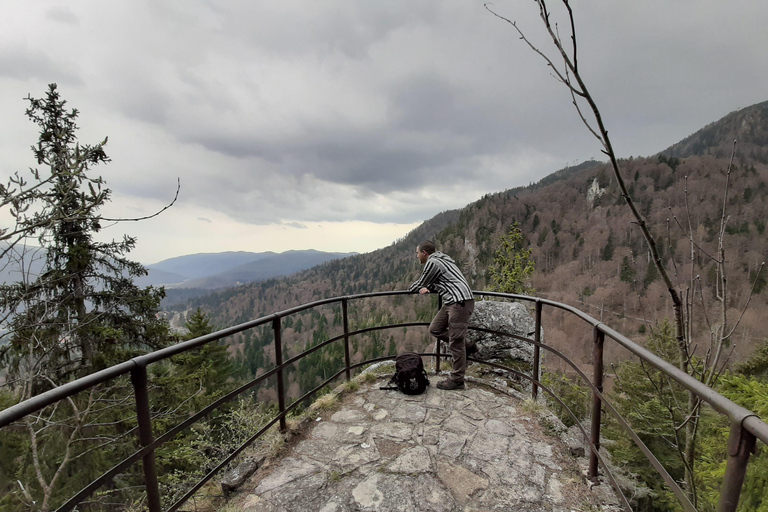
345 321
437 341
740 445
597 380
536 353
139 381
278 362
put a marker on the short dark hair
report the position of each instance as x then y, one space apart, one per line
427 246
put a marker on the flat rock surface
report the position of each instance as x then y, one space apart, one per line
472 450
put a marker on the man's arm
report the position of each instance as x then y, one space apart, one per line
428 276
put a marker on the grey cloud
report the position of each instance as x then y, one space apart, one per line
346 28
62 14
297 225
428 102
146 101
436 133
24 63
480 116
371 160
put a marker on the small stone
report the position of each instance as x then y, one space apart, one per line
348 416
486 446
331 507
325 431
450 444
367 494
409 413
396 431
415 460
290 469
237 477
499 427
555 490
461 482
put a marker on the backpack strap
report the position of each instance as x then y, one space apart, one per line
391 385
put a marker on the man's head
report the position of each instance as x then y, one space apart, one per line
424 249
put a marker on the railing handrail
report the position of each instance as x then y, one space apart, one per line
38 402
742 420
720 403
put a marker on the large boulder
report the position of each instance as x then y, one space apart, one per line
508 317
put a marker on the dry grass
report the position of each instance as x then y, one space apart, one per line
532 407
325 402
351 386
272 443
368 377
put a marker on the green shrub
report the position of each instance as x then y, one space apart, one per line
573 394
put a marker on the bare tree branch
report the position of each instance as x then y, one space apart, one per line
175 197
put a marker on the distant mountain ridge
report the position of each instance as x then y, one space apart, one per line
210 271
194 266
747 126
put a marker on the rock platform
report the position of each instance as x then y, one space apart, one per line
473 450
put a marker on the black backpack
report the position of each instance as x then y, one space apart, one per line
410 376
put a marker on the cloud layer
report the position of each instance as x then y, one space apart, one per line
297 114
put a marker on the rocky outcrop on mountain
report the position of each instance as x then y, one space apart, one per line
594 192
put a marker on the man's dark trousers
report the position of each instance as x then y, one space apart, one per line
450 325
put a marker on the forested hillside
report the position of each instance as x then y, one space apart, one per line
587 250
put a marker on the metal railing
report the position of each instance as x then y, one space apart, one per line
746 427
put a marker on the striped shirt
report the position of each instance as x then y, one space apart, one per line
441 275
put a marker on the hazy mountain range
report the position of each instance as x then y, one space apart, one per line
210 271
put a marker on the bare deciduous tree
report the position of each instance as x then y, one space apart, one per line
705 361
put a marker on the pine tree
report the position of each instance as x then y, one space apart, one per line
512 264
627 272
190 382
650 275
212 363
81 313
606 254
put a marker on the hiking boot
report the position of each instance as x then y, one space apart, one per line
450 385
471 349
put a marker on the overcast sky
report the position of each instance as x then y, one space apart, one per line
340 125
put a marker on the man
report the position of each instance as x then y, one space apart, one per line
440 274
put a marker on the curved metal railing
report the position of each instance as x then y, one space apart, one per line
746 427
